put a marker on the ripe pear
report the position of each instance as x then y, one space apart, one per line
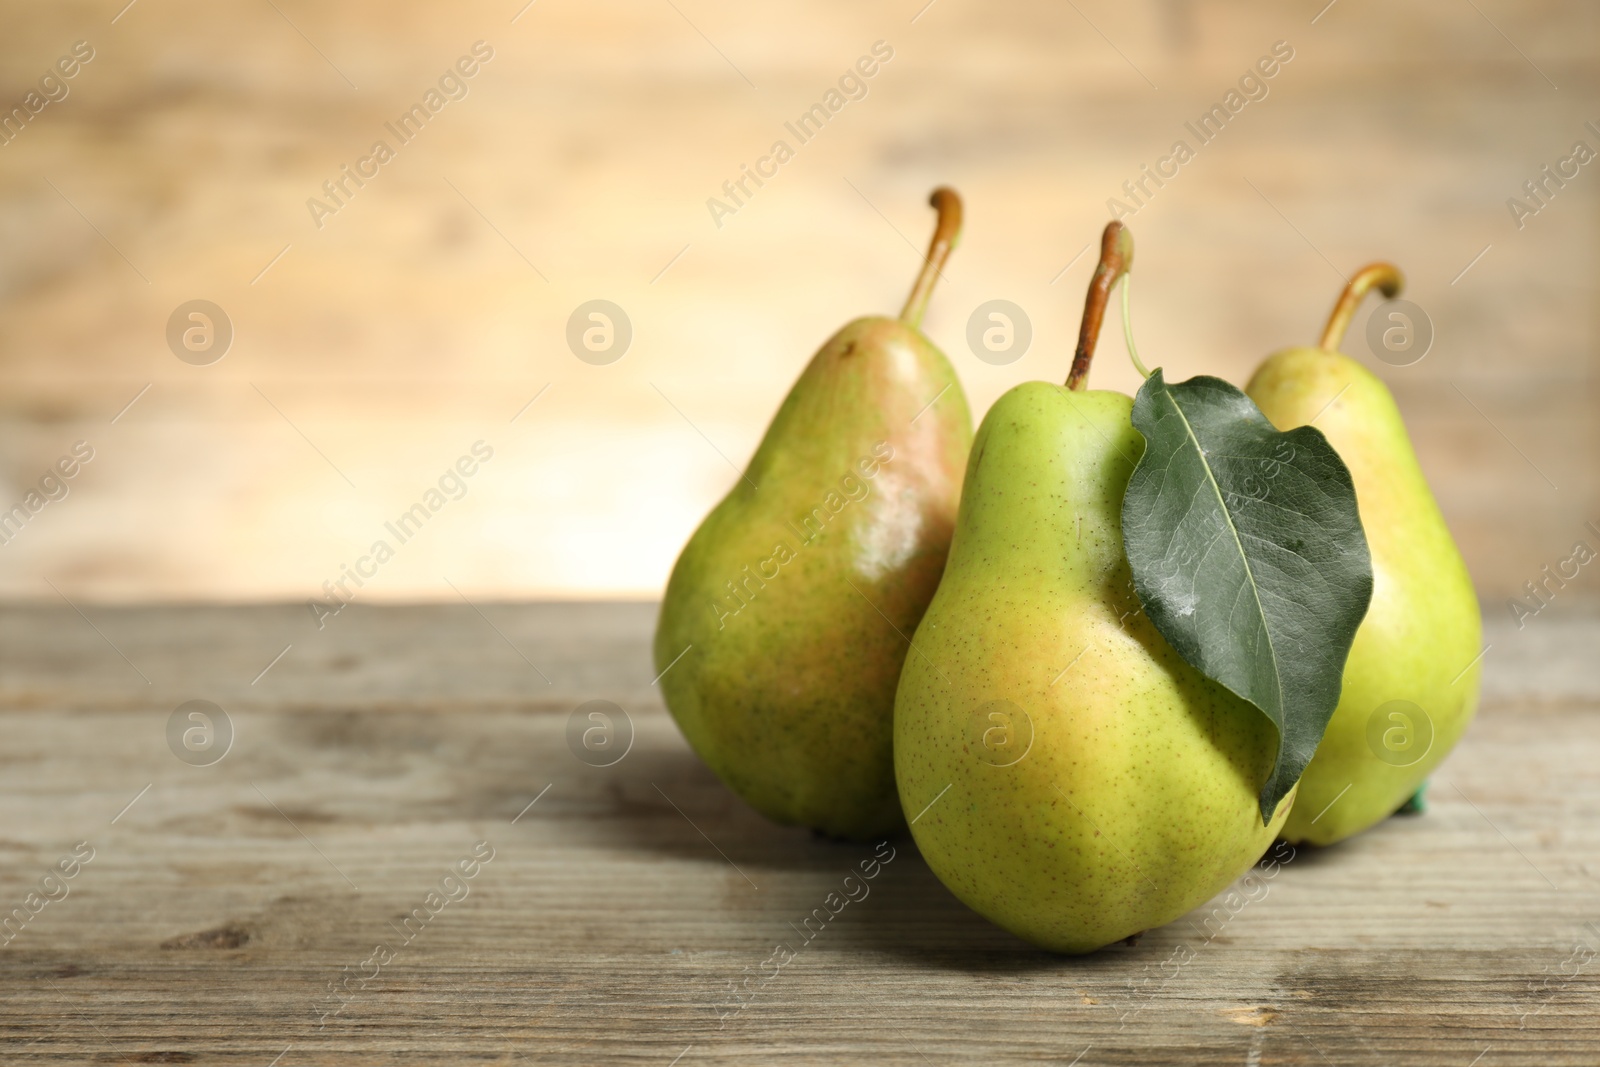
787 616
1411 682
1068 775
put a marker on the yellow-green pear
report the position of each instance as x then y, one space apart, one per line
788 614
1066 773
1411 681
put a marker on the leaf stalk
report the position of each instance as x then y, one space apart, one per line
1127 328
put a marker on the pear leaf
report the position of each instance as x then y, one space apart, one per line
1248 555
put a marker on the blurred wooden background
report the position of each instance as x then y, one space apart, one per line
427 312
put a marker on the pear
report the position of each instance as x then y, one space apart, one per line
1068 775
788 614
1411 681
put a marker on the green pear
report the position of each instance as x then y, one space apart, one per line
1068 775
788 614
1411 682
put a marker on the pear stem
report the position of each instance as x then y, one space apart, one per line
1385 277
1127 327
946 232
1116 259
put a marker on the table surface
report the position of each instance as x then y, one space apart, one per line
622 908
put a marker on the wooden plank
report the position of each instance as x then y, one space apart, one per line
621 911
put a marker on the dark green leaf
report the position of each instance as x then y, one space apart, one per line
1248 555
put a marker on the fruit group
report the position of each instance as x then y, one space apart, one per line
1066 773
1411 681
786 618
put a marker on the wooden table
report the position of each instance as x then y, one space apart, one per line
618 912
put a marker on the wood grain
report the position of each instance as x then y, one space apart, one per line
619 911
